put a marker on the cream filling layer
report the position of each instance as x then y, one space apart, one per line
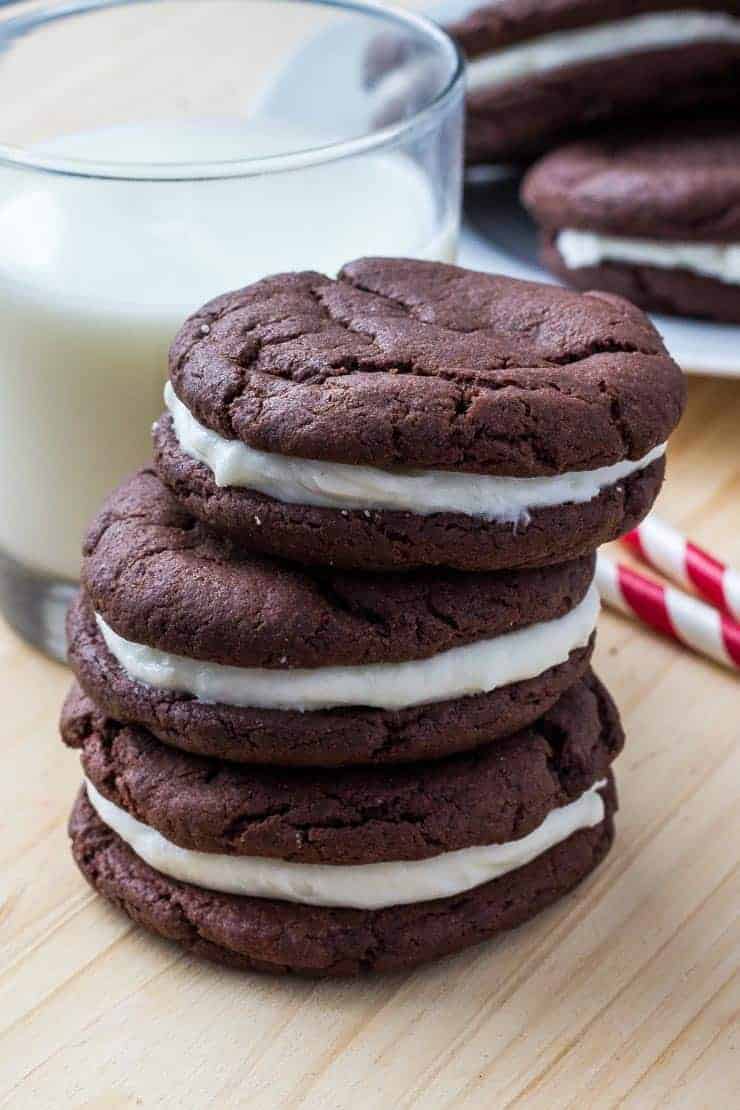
640 33
460 672
589 248
298 481
368 886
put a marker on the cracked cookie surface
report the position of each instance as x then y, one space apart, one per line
421 364
362 815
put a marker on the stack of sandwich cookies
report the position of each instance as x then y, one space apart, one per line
540 72
335 765
653 217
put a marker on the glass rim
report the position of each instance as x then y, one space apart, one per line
378 138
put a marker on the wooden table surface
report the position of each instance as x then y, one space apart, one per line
627 993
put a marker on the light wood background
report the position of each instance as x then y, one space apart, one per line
626 994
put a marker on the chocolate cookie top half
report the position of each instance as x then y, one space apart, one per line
159 577
682 182
358 815
407 364
508 22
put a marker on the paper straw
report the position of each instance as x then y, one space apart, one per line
684 562
669 611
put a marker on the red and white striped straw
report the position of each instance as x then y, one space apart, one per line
669 611
668 551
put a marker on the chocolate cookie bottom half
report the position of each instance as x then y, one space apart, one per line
381 540
676 292
263 934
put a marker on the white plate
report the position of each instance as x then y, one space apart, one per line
499 237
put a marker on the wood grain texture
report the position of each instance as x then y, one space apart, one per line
626 994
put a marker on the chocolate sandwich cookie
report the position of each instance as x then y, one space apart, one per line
540 72
233 654
331 873
414 413
653 217
262 934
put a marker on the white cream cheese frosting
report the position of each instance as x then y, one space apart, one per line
298 481
369 886
638 34
589 248
475 668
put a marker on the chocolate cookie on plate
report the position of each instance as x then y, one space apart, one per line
339 872
541 70
237 655
652 216
415 413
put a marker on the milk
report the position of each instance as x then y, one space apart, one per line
96 275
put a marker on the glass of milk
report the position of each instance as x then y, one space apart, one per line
153 154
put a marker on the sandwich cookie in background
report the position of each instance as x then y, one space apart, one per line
415 414
233 654
343 871
650 215
541 70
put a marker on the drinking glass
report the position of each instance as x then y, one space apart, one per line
156 153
